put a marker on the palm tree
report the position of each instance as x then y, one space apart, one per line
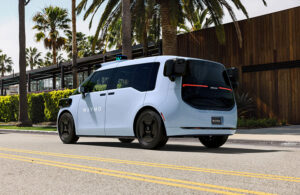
33 57
113 11
23 108
74 46
169 13
5 64
49 23
126 29
197 20
113 37
82 42
145 25
49 57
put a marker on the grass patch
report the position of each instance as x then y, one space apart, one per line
27 128
257 123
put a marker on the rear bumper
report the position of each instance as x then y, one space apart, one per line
194 132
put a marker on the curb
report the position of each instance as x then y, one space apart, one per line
28 131
265 142
233 141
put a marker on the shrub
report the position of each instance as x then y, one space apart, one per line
246 105
257 123
9 108
41 106
51 103
36 107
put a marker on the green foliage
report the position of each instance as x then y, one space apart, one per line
257 123
51 103
9 108
36 107
246 105
41 106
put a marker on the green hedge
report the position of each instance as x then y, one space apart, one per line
36 107
41 106
9 108
51 103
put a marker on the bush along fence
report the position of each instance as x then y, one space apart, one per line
41 106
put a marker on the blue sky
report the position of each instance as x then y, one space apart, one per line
9 20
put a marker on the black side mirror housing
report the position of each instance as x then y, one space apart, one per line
175 68
233 74
82 90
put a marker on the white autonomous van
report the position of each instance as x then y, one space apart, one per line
152 99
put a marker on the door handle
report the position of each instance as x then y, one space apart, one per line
111 93
103 94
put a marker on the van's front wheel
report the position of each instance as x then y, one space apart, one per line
66 129
213 141
150 130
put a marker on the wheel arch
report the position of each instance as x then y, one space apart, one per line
143 109
60 114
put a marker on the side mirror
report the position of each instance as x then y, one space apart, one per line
233 74
180 67
175 68
82 90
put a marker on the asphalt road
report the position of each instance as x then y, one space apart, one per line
41 164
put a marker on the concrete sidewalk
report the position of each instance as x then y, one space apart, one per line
287 135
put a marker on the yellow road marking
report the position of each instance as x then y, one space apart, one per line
134 176
176 167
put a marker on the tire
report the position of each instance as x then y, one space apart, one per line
150 130
213 141
125 140
66 129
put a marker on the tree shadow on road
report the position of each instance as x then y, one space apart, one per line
172 147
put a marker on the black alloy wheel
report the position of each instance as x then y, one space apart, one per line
66 129
213 141
150 130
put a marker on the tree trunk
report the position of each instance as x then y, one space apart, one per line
169 32
145 41
126 29
23 113
74 46
54 52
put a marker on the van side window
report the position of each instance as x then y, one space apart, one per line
99 81
141 77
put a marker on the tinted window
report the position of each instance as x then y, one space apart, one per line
141 77
99 81
206 86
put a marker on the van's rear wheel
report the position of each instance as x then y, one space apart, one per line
213 141
124 140
66 129
150 130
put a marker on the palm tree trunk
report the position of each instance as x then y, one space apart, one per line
54 52
169 31
126 29
145 41
74 46
23 113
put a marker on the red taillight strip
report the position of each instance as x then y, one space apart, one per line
225 88
191 85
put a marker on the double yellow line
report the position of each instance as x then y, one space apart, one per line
134 176
158 165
